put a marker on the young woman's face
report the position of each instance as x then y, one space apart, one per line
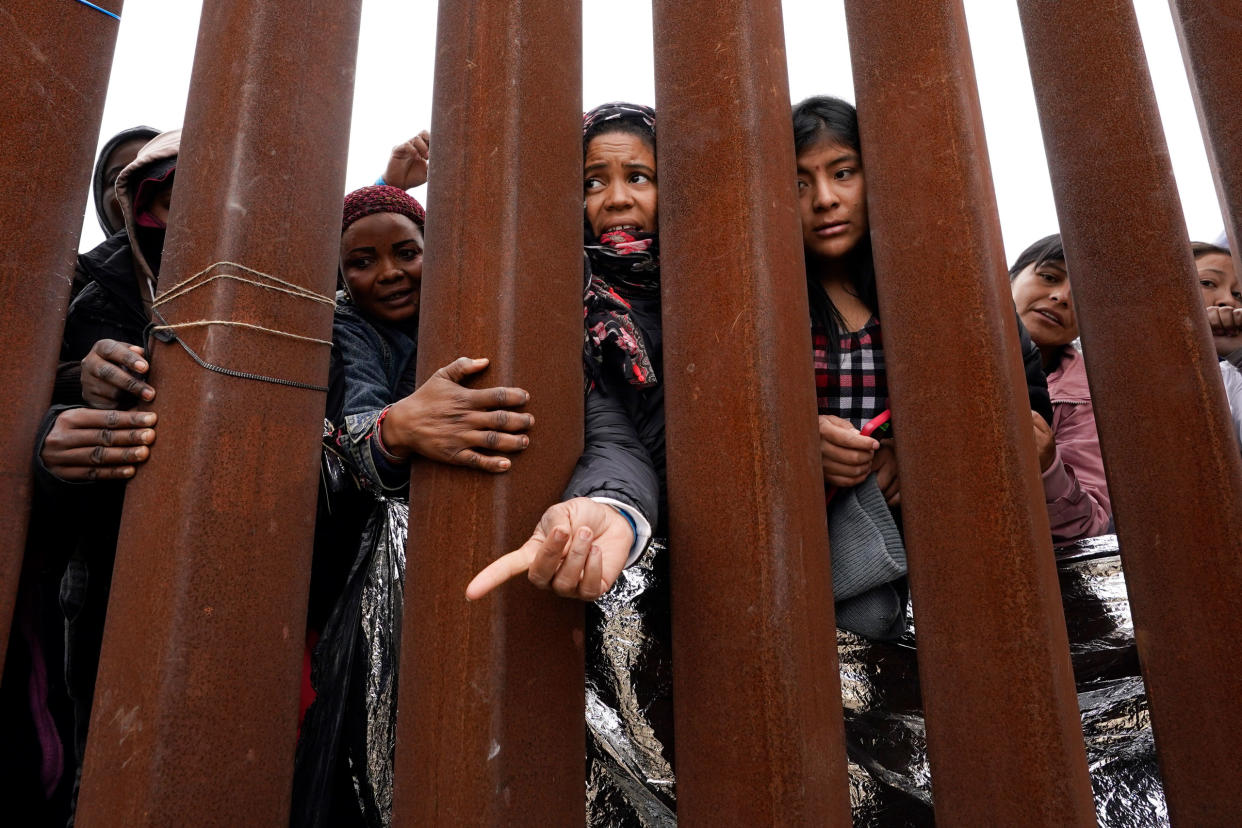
1041 293
832 199
382 260
1218 280
619 184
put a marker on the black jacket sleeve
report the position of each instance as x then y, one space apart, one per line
1036 382
615 463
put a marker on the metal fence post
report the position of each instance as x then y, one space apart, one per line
491 724
196 703
757 696
1174 472
1210 33
1004 737
54 69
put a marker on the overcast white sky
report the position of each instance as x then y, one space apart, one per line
392 99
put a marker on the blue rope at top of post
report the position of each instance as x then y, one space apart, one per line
113 15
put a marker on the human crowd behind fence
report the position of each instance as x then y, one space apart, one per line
308 503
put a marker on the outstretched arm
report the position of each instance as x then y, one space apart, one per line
577 550
604 522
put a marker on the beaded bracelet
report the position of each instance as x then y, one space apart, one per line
379 438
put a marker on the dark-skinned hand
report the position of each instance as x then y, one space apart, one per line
93 444
577 551
445 421
111 375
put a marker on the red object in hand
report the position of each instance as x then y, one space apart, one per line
881 423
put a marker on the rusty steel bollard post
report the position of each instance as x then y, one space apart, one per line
196 703
1003 730
1159 403
54 67
491 717
757 696
1210 33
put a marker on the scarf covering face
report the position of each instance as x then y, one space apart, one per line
152 182
632 263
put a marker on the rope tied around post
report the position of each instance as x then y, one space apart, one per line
166 331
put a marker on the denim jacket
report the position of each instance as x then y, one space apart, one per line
378 362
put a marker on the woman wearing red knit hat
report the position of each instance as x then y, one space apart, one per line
378 422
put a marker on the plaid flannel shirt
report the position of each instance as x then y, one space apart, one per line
852 383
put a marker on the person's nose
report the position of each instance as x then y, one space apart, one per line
391 271
825 197
617 196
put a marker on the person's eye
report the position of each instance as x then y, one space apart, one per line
802 185
1207 283
1237 295
592 184
359 263
843 174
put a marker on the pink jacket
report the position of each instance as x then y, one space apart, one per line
1074 485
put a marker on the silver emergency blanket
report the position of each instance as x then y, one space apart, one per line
630 780
629 695
380 627
344 764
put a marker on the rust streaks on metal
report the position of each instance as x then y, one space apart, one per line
491 720
54 69
196 703
1004 739
1174 470
756 691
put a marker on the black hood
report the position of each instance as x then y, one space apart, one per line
146 133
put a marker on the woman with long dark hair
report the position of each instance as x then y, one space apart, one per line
857 447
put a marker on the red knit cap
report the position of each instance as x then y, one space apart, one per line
380 198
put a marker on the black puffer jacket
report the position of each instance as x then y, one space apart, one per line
624 454
1036 382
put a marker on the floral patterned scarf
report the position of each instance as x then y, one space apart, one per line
631 262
